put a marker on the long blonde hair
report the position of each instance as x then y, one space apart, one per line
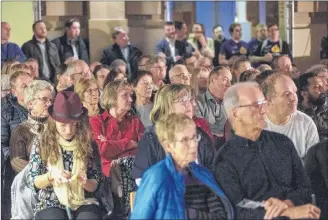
49 143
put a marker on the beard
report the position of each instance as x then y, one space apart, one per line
317 101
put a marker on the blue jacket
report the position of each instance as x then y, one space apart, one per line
161 193
11 51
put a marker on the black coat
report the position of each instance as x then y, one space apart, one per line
65 50
32 50
113 52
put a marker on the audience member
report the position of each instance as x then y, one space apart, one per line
233 47
113 75
240 65
196 195
41 49
313 100
199 80
34 67
38 96
142 62
201 44
322 72
219 39
249 75
63 168
9 50
143 89
121 49
282 115
71 43
157 67
264 67
117 130
179 74
261 35
181 34
120 65
93 65
5 85
7 65
260 165
100 73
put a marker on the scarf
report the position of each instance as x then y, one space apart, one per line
36 125
71 194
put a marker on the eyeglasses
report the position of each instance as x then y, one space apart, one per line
45 100
185 141
255 105
90 91
183 75
184 100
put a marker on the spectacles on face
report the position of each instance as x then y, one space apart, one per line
255 105
183 75
185 100
45 100
186 141
91 91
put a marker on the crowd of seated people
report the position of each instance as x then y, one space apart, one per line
203 128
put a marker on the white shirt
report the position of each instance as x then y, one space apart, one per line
172 48
300 129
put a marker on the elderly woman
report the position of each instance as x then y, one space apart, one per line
117 130
38 96
63 165
143 89
88 92
5 85
169 99
161 194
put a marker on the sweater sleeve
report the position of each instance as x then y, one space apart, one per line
107 148
18 145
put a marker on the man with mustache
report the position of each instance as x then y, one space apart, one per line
282 115
313 101
44 51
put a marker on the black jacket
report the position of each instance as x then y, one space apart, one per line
32 50
316 166
65 50
113 52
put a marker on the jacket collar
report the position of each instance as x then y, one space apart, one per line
177 176
36 41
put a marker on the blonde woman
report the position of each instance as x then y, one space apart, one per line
88 91
63 164
169 99
199 80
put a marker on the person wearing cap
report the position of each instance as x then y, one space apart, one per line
38 96
117 130
63 166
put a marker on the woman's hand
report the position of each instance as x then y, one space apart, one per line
59 176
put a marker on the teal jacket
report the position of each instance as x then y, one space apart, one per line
161 192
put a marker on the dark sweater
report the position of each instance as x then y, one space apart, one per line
268 167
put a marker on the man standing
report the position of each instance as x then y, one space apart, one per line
210 103
172 48
121 49
219 39
283 117
44 51
260 165
13 113
313 101
253 45
272 47
71 43
9 50
233 47
181 32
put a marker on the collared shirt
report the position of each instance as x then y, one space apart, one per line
72 43
300 129
320 117
172 48
212 111
258 170
45 70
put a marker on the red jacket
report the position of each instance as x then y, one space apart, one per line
202 123
118 137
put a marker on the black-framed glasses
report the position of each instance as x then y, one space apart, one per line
255 105
186 141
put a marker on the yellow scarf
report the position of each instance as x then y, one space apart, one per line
71 194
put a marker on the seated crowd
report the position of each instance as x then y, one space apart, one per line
201 129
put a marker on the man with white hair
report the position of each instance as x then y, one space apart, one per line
260 165
282 115
179 75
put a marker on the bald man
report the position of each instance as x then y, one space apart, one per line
179 74
9 50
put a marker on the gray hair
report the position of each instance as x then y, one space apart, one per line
35 87
316 69
5 82
231 97
117 63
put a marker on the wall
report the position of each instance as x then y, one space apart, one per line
20 16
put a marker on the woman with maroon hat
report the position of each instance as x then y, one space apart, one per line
63 168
